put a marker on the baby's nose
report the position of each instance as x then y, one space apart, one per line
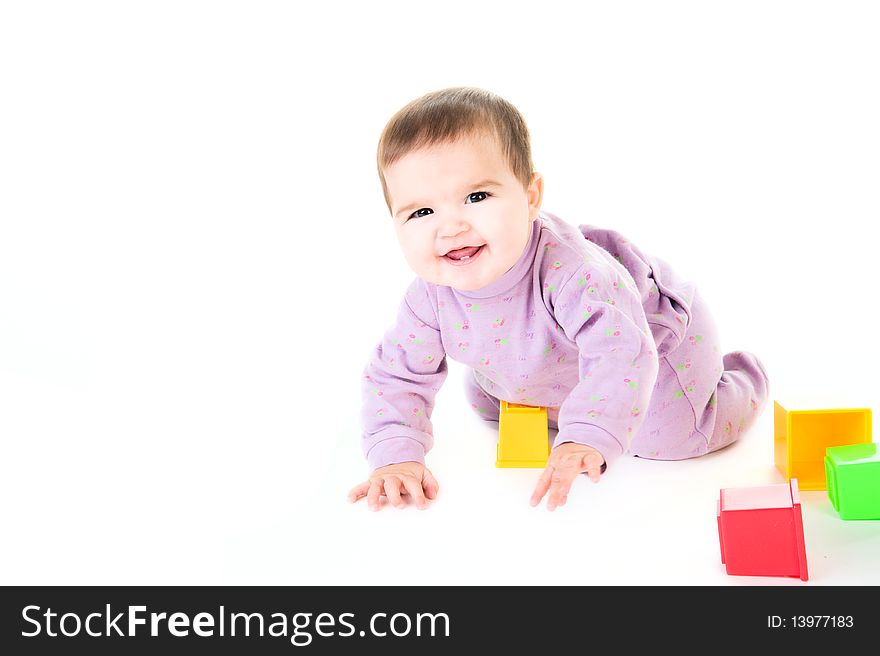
452 226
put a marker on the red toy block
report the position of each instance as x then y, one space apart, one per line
761 531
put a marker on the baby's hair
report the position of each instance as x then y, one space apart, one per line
446 115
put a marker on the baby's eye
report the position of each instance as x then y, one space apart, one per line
416 214
479 193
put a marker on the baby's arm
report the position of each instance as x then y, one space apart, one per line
399 385
617 368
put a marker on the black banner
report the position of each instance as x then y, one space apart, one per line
416 619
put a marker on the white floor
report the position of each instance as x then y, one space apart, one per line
119 496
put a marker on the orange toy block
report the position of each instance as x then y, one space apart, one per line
801 436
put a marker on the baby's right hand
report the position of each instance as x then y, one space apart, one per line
411 478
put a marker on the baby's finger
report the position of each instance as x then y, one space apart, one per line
374 494
392 491
593 468
415 491
542 485
430 484
358 491
560 484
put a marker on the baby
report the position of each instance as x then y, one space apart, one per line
622 353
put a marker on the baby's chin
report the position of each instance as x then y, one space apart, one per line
464 281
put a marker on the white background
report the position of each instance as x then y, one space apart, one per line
196 262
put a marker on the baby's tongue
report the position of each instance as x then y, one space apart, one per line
467 251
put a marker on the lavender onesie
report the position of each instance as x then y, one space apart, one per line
623 354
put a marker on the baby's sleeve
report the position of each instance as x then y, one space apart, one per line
400 382
599 309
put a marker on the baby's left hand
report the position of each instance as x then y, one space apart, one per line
566 461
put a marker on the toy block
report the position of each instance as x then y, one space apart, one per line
800 438
523 437
853 475
761 531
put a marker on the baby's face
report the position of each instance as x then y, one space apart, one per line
461 216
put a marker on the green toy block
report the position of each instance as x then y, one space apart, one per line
853 477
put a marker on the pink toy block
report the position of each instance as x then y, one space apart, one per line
761 531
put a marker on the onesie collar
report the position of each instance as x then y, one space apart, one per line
514 274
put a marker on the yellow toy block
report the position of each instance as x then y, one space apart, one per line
523 438
800 438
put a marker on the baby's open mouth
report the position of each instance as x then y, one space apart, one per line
463 254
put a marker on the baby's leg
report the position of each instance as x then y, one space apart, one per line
485 405
489 408
702 401
741 396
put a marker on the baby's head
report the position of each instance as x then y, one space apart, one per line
456 171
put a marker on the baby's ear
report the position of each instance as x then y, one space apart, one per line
535 194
